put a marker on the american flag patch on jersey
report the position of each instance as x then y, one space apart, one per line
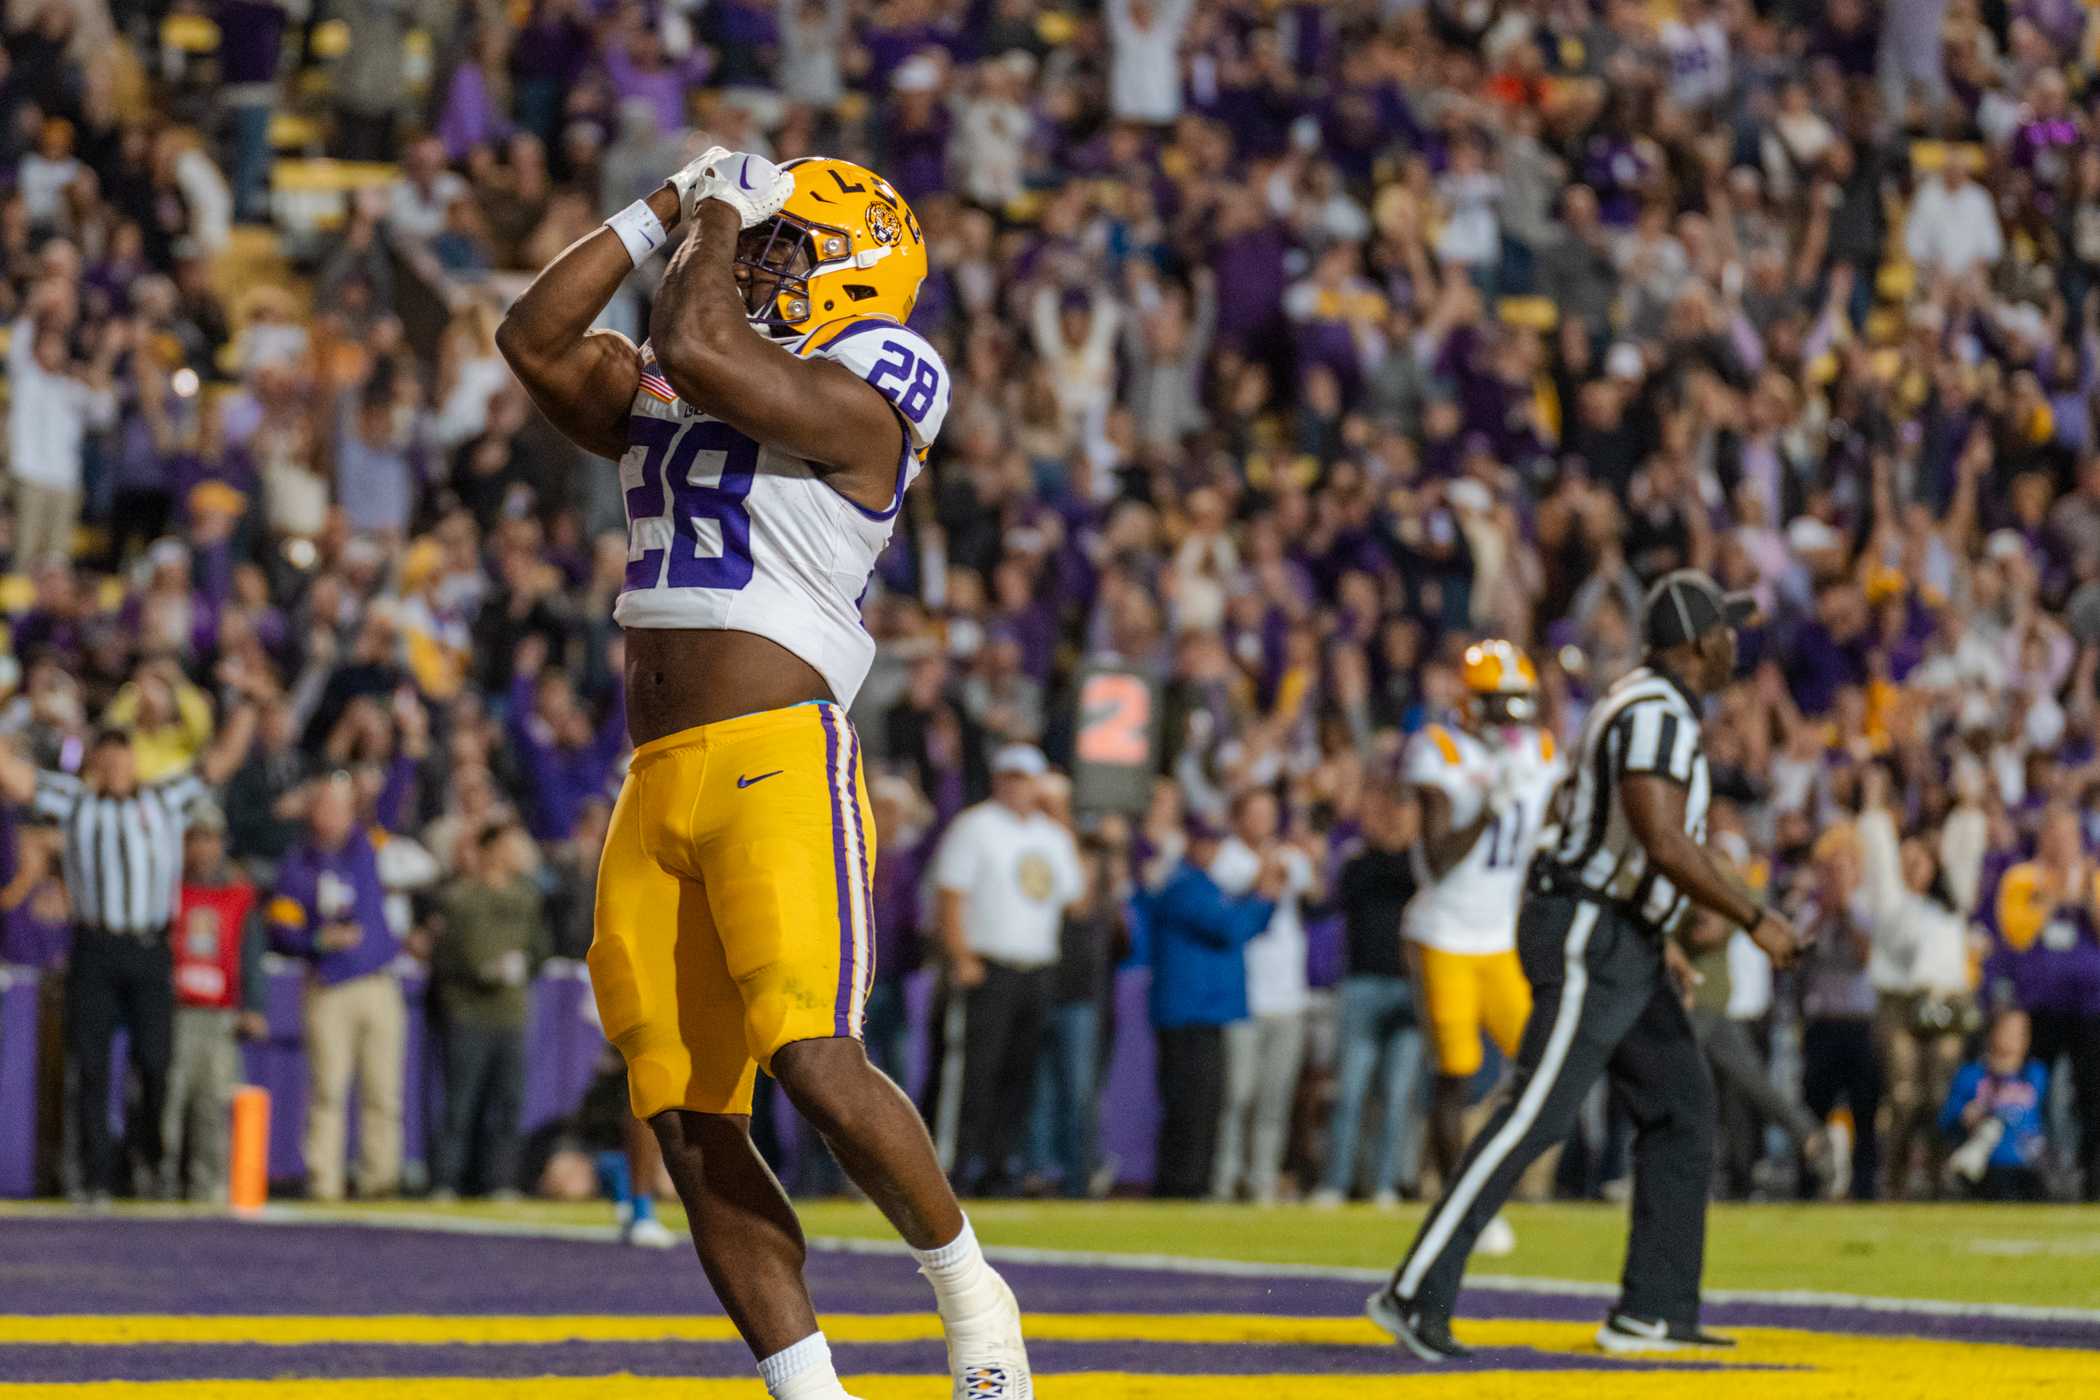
657 386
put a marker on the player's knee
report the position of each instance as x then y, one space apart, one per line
655 1079
820 1079
767 1031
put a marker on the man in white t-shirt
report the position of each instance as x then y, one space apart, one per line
1003 877
1263 1054
418 202
1695 43
1144 74
54 408
1952 228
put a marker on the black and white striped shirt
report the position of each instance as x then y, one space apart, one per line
123 855
1647 723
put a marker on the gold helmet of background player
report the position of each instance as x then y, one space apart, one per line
844 244
1502 682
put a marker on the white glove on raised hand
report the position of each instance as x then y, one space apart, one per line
692 173
749 184
1504 777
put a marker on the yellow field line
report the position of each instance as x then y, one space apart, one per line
1819 1366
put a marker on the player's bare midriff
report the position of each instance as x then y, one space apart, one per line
680 677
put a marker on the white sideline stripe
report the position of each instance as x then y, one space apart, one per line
1505 1283
1160 1263
1244 1268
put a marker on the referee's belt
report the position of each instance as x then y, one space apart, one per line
1551 879
157 934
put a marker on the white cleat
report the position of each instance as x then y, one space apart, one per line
1497 1241
985 1352
649 1233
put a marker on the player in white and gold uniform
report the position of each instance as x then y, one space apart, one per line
1484 786
766 434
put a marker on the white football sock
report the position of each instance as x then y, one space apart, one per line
802 1372
956 1270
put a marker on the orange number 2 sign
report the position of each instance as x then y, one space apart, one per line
1115 720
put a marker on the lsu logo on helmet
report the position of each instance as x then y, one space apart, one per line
884 226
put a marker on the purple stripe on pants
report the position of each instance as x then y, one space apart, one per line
860 834
842 1007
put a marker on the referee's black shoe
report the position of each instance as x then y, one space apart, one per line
1624 1333
1429 1338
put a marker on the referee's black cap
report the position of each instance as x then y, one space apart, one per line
1685 605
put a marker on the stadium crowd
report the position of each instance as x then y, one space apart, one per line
1295 347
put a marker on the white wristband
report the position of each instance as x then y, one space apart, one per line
639 230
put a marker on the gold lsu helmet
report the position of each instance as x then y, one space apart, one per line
1502 682
844 244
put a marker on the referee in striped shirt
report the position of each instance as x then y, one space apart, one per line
1618 867
122 863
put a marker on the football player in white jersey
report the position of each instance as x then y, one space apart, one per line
1484 786
766 433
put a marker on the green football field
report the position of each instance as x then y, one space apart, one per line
2029 1255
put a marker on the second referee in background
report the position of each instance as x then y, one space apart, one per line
1618 867
123 865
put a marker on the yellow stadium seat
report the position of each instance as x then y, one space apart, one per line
1528 313
291 132
331 39
1929 157
189 34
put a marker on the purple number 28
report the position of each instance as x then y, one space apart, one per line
674 454
917 380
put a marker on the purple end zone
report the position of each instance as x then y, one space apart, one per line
102 1265
72 1365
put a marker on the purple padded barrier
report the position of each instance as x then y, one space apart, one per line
566 1045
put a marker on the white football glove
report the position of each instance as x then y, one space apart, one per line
749 184
1505 778
693 172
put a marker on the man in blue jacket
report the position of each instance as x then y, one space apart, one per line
1199 986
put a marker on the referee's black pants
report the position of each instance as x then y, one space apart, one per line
1191 1069
991 1036
117 980
1601 1004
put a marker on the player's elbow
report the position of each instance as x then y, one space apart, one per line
516 344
